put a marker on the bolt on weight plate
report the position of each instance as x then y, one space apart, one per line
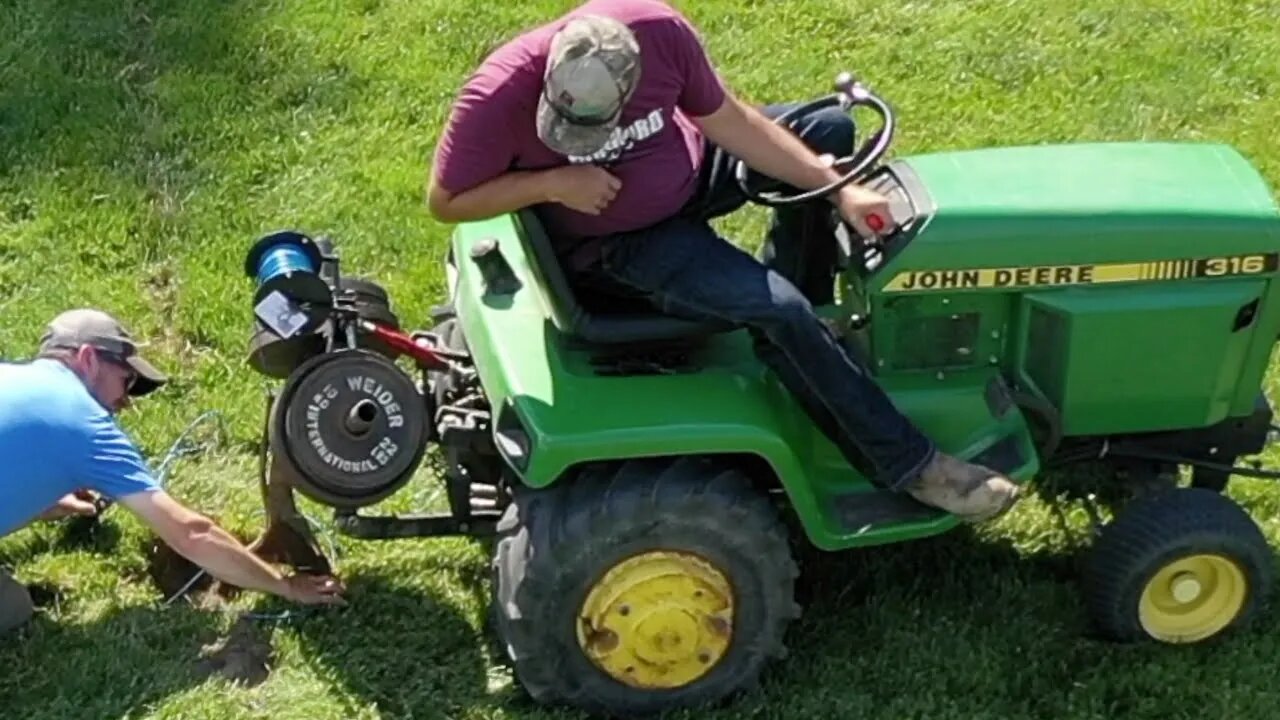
355 427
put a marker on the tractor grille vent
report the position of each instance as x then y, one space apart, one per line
936 341
1046 343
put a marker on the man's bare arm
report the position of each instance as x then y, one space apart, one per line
503 194
201 541
772 150
583 188
765 146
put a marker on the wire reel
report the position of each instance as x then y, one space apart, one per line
291 298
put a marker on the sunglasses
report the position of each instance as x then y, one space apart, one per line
131 375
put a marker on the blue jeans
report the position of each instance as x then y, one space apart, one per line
684 268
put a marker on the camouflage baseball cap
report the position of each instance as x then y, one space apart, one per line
86 326
593 67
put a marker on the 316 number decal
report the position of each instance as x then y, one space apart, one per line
1240 265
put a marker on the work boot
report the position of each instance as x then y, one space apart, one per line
15 604
971 492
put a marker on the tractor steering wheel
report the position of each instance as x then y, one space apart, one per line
849 94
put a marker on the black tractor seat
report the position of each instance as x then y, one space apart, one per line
595 318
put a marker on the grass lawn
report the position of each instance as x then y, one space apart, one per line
145 143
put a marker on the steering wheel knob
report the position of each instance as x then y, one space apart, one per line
845 82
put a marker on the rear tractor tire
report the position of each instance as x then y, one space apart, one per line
643 586
1180 566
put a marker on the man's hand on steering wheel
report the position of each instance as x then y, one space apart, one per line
866 210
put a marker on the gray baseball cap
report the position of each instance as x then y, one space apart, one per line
593 68
86 326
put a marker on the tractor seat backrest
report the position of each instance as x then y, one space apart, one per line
595 322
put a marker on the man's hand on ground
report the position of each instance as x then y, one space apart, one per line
314 590
79 502
203 542
585 188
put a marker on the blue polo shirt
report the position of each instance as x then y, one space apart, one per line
56 438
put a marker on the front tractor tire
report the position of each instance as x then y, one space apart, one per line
643 586
1184 565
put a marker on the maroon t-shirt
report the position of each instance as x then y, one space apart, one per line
655 151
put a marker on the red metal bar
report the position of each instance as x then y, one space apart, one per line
422 355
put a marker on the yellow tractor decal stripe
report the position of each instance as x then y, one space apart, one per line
1088 274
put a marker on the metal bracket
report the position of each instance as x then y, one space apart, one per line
390 527
287 538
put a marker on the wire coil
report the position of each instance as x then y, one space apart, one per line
283 259
290 264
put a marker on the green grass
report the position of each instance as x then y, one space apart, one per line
145 143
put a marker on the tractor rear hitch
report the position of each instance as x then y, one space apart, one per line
390 527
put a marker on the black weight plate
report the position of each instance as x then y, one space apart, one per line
364 289
372 303
370 299
380 314
355 428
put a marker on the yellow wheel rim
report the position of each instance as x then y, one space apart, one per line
1192 598
660 619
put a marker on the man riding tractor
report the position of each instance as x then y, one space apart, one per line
613 125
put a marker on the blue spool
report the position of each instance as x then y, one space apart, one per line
288 263
283 259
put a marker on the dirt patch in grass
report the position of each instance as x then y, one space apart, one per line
244 656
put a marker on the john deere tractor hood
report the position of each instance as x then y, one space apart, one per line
1047 206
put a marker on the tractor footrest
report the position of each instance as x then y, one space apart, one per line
863 511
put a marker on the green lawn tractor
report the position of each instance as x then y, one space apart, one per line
646 481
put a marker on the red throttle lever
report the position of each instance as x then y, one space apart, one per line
875 222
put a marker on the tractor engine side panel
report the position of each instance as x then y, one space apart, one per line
1127 359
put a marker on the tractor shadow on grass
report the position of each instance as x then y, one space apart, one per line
403 642
966 626
112 666
407 647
